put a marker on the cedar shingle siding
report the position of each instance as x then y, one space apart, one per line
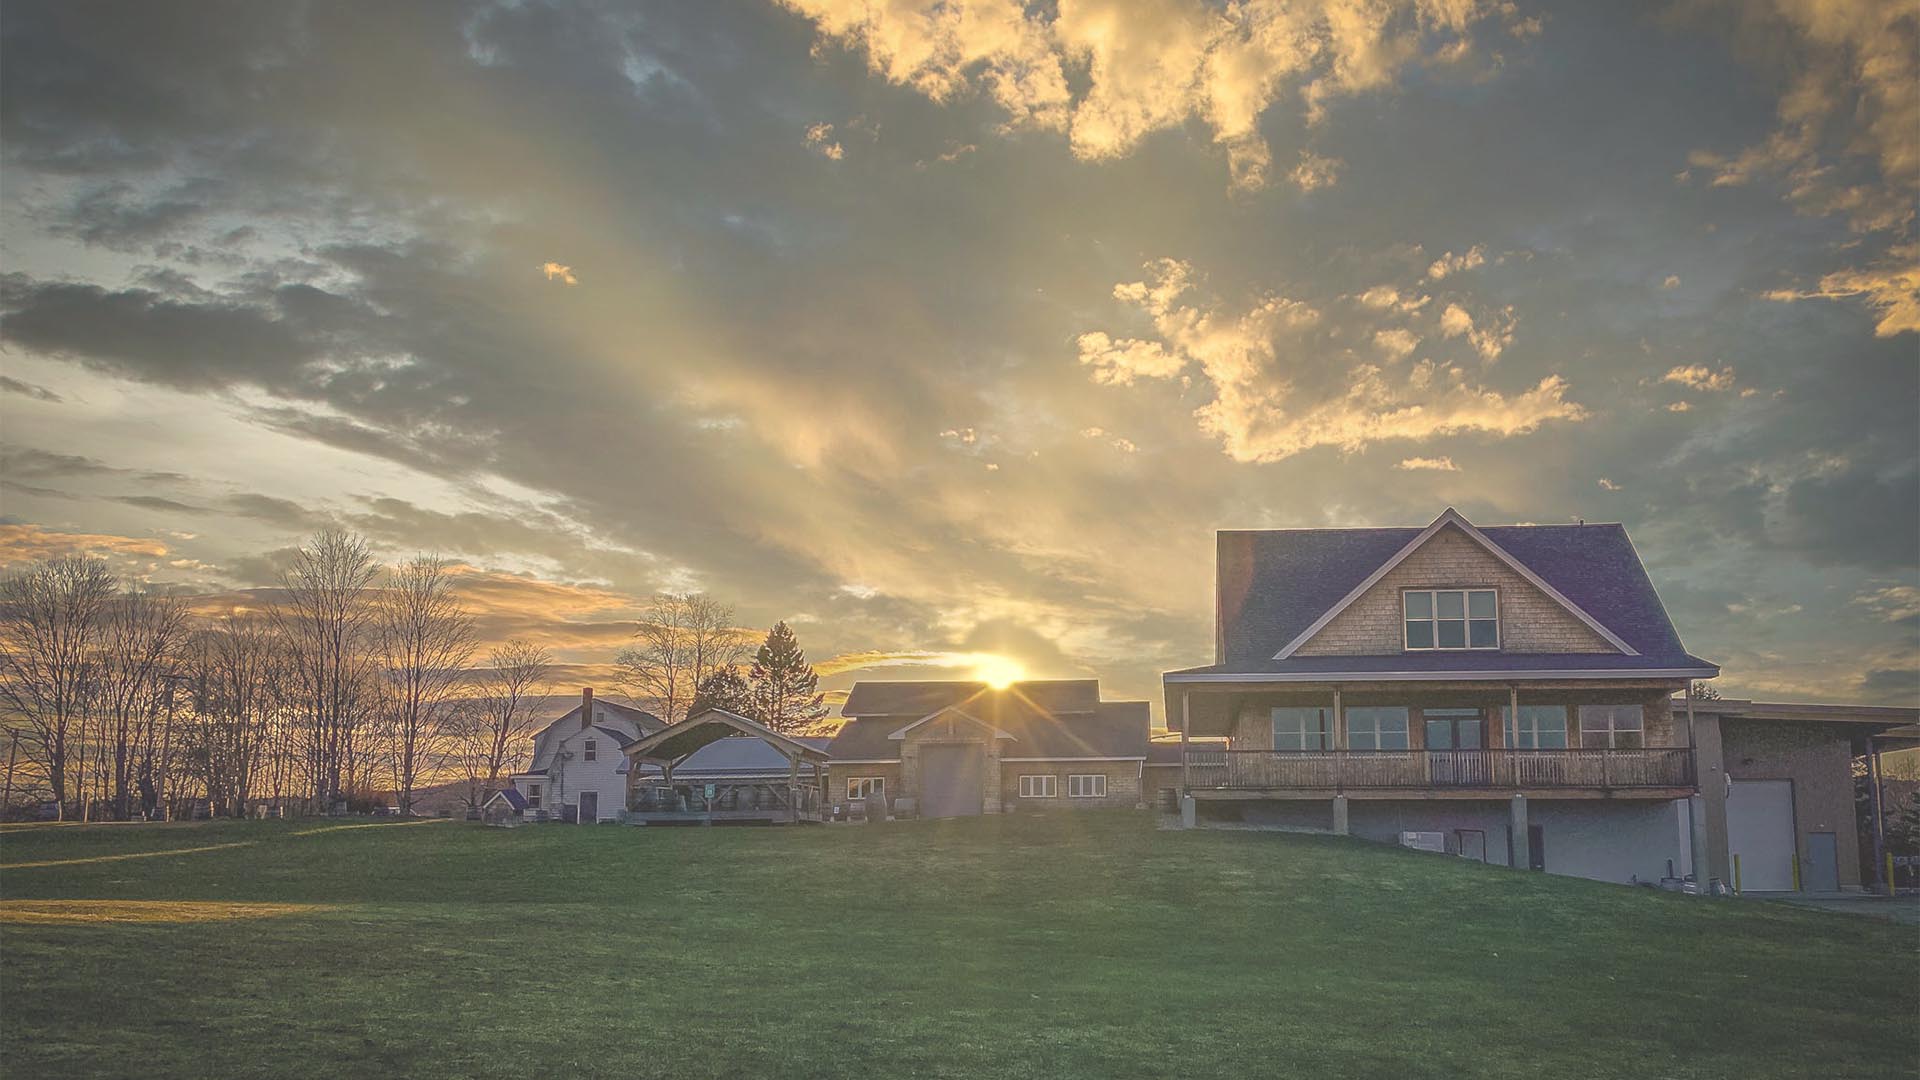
1530 620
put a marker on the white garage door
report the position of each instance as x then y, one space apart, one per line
1760 832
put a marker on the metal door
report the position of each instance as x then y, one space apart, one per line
1760 834
1823 864
950 780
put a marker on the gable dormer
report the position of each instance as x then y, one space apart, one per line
1451 589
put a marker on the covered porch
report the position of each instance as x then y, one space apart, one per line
1427 739
657 796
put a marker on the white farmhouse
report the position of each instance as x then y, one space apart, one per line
578 772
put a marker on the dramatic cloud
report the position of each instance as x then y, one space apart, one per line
1259 411
1148 67
572 295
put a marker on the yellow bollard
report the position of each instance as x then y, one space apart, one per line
1796 874
1736 873
1892 889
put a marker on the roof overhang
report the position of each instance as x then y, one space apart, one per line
1452 517
1494 675
675 743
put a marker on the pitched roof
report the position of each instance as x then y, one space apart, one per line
511 796
918 698
1273 585
680 741
1109 729
736 756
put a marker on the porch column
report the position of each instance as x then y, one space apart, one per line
1186 727
1713 866
1339 815
793 789
1339 732
1885 883
1517 830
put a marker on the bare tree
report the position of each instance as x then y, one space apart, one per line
240 666
682 638
424 640
505 714
325 619
141 633
50 629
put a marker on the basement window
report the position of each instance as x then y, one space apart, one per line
1452 619
1039 787
1090 786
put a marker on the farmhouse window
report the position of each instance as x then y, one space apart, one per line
1452 619
1540 727
1090 786
1039 787
863 787
533 796
1297 728
1612 727
591 747
1377 728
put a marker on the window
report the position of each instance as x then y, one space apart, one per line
860 787
1091 786
1452 619
1454 729
533 796
1612 727
1381 728
590 748
1540 727
1301 729
1039 787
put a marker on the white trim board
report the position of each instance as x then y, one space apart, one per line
944 710
1452 517
1438 676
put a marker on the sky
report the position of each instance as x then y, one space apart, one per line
950 332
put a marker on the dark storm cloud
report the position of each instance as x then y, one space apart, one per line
848 389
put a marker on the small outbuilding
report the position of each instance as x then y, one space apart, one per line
732 785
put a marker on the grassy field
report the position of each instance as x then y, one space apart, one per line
1073 946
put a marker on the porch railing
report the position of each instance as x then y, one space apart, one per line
1654 767
769 798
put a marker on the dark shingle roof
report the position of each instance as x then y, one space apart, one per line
1274 584
1115 729
917 699
512 796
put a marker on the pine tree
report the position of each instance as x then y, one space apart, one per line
786 689
724 689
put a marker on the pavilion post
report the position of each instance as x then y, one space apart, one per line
793 789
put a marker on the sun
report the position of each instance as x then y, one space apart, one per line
998 671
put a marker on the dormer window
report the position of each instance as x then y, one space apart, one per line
1452 619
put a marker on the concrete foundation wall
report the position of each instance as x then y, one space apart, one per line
1605 840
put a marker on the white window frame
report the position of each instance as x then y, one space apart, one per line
1612 729
1087 786
590 750
1432 619
533 796
1374 714
1524 733
1039 786
1325 733
859 788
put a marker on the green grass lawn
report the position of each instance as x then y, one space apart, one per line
1084 945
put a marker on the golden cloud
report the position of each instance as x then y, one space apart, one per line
1256 412
1150 67
29 543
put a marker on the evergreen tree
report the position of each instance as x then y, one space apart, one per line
786 689
725 689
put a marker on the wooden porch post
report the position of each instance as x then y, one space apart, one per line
1338 736
1186 728
793 789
